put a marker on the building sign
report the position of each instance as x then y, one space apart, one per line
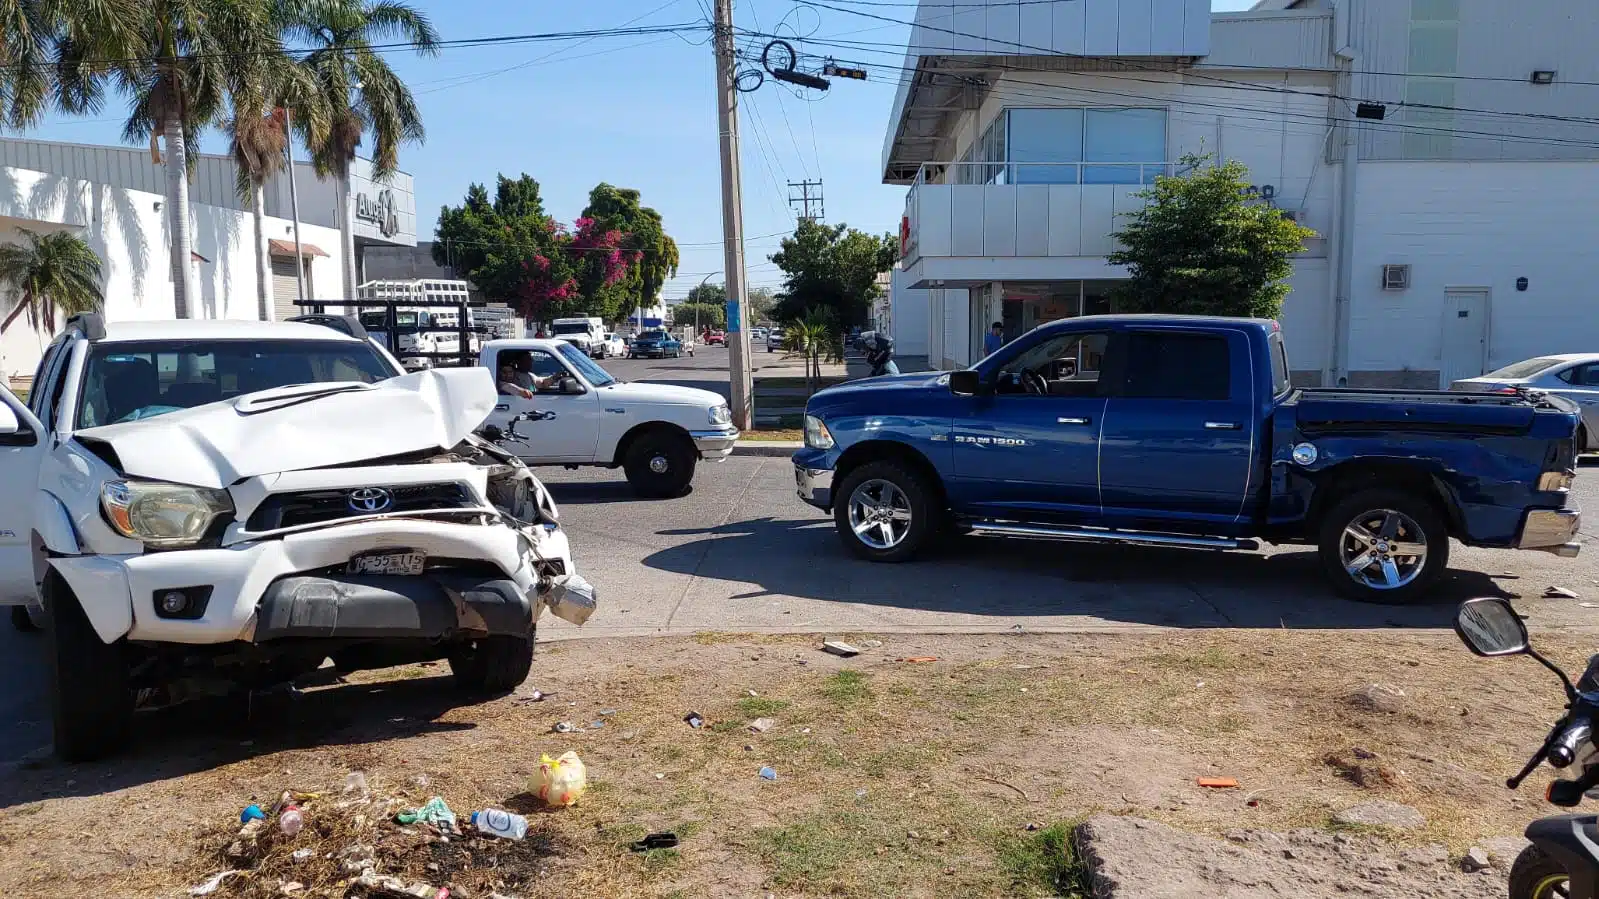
380 212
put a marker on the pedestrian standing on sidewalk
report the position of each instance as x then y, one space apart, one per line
995 339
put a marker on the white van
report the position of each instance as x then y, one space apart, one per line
586 333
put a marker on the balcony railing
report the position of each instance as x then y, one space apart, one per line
1024 210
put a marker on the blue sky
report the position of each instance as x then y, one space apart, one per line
640 112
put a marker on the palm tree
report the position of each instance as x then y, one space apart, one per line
363 95
263 88
53 274
171 58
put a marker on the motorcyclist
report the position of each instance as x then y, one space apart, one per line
880 354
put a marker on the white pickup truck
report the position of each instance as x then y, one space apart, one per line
655 432
235 502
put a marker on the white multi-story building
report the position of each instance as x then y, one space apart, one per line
114 198
1454 233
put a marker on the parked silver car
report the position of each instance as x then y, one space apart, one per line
1574 376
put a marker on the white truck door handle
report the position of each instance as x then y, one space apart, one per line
1071 421
1221 426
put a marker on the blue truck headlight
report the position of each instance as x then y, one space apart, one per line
817 436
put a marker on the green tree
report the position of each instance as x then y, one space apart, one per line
761 302
52 274
815 334
651 255
1201 245
706 314
262 88
171 59
832 267
510 248
708 293
362 94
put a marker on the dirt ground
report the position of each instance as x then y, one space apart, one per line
958 776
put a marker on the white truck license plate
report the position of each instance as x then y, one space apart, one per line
401 563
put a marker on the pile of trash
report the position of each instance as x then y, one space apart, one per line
349 843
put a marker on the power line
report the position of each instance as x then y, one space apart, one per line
546 57
1050 52
998 90
397 46
1206 76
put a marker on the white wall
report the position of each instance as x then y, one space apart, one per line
1475 224
128 229
909 314
957 327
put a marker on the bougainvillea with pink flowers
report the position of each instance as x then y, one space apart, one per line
613 258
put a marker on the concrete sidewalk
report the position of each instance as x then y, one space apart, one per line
780 394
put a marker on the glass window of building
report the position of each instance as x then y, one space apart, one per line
1082 146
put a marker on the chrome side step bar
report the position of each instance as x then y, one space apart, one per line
1097 535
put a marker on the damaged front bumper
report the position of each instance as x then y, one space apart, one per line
483 580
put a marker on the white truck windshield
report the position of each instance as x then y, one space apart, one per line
132 381
588 368
572 328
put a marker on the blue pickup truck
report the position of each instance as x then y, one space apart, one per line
1184 431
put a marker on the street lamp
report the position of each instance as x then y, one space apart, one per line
697 301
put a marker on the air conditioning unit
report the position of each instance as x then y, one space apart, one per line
1396 277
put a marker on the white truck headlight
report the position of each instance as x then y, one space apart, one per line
158 514
817 436
721 416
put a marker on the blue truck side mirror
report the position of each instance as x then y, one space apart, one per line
965 382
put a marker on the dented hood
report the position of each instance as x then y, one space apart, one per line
303 426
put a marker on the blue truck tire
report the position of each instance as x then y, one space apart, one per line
885 511
1384 545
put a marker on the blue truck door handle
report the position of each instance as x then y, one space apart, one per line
1071 421
1221 425
502 407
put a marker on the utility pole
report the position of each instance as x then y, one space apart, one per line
738 343
806 199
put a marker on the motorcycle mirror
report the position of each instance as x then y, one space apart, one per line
1490 627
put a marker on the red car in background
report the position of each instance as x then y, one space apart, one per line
715 338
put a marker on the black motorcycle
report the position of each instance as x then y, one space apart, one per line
1563 860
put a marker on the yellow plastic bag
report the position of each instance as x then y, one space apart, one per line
559 781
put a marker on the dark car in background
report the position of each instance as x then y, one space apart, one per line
654 345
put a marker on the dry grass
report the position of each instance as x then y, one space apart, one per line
893 778
773 434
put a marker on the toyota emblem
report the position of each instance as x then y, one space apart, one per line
370 500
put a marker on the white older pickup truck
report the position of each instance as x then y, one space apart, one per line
236 502
655 432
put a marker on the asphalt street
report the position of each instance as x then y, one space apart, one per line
740 553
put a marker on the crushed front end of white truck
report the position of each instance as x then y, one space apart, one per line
247 542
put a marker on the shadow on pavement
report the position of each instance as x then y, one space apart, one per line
206 734
1016 578
588 493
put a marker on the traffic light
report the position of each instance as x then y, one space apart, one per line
833 70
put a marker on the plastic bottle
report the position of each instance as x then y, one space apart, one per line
291 821
500 823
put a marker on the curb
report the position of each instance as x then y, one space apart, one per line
772 449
